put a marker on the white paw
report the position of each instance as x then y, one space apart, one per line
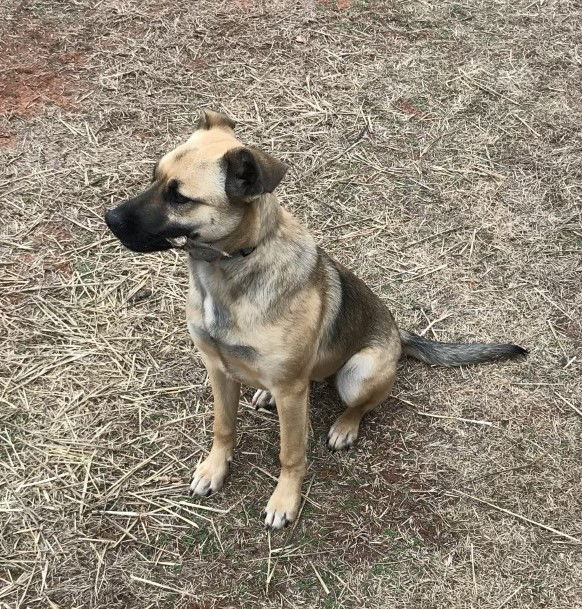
276 520
283 506
342 435
263 399
209 477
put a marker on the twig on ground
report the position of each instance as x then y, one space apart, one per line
568 403
440 416
150 582
519 516
325 588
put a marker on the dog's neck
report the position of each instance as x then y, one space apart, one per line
260 221
283 251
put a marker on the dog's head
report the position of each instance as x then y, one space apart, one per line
200 190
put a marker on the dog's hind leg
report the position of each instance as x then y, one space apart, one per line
363 382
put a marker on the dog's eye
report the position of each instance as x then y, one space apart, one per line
175 197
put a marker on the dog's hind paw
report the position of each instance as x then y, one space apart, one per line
263 399
342 434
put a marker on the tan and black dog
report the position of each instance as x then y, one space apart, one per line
266 306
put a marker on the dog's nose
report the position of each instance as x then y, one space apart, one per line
114 220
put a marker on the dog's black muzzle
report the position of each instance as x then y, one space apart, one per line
127 227
141 224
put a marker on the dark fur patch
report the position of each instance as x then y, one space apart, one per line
221 319
361 319
251 172
226 349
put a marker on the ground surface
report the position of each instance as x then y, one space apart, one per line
436 150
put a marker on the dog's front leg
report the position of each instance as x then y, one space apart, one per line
293 410
210 474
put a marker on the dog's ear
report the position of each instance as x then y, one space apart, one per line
210 119
251 172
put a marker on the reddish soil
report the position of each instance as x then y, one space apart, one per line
38 72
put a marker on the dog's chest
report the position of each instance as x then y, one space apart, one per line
220 329
207 310
216 319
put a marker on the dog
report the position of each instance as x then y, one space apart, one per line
266 306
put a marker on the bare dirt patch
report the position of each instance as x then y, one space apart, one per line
35 70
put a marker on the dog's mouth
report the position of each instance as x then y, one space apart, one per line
198 250
177 242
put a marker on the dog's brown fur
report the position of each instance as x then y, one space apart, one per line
271 309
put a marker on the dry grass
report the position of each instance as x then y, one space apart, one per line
435 149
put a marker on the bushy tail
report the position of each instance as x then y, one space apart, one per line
456 354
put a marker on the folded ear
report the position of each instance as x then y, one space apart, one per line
210 119
251 172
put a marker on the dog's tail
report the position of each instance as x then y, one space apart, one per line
456 354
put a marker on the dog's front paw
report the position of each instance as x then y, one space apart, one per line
283 507
209 476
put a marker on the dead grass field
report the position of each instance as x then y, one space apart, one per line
435 148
